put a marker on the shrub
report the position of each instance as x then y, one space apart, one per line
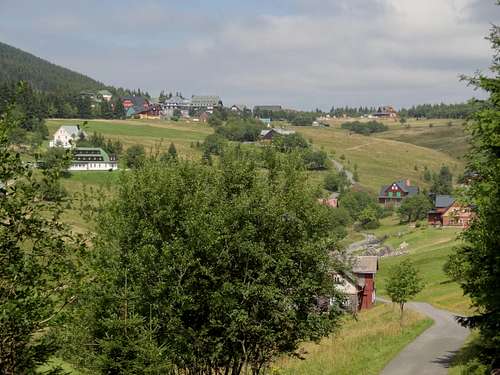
365 128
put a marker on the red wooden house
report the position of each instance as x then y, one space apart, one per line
393 194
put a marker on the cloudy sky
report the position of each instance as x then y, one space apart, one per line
298 53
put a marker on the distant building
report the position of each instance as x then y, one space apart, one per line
105 95
393 194
266 121
332 201
270 108
268 134
135 105
67 136
385 112
448 212
92 159
239 108
177 102
206 102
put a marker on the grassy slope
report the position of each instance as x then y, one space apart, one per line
429 249
451 140
379 161
361 347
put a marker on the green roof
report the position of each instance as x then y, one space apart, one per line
104 92
102 153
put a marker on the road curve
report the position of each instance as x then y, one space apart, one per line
431 352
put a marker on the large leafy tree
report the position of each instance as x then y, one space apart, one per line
206 269
414 208
480 256
35 260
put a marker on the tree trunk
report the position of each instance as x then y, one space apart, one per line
401 307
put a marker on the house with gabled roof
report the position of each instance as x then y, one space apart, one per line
448 212
67 136
92 159
394 193
105 95
268 134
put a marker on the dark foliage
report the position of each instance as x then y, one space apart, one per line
365 128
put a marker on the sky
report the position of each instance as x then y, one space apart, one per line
303 54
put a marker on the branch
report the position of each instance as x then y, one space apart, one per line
68 302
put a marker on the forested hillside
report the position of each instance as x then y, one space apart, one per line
17 65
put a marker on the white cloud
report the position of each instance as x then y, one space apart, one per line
297 52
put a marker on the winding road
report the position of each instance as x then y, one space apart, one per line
431 352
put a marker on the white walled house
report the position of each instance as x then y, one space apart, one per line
92 159
67 136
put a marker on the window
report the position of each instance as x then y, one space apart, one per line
398 194
389 194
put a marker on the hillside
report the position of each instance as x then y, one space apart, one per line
444 135
17 65
379 161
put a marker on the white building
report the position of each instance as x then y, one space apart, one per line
67 136
92 159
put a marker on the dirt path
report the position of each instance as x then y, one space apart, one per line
431 352
341 168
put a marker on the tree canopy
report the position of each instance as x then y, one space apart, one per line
207 268
37 272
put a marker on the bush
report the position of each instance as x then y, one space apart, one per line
241 130
365 128
213 144
290 142
357 201
135 156
334 181
315 160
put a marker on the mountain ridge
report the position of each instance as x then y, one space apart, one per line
41 74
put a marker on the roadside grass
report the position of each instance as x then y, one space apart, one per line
429 248
466 361
379 161
364 346
150 133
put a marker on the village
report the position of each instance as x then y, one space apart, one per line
250 188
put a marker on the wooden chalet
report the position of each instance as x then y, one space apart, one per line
447 212
393 194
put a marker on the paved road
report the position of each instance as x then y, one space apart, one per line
431 352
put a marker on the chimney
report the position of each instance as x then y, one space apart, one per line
408 182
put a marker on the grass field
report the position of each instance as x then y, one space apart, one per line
360 347
149 133
429 249
379 161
